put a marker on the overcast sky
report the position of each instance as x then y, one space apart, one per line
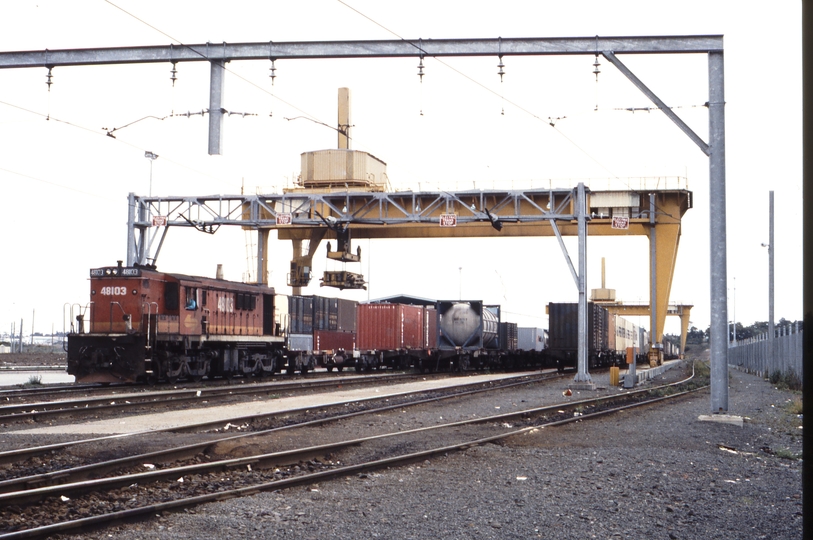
65 183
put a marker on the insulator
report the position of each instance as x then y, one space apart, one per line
173 74
596 69
48 78
501 72
273 73
420 69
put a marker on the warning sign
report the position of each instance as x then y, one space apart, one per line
621 223
448 220
284 218
159 221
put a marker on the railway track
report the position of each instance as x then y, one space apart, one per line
112 403
180 479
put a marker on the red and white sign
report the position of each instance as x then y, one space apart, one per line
621 223
285 218
448 220
159 221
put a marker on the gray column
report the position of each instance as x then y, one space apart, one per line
717 229
216 85
581 214
771 325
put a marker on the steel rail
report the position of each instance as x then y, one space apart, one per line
74 474
316 476
11 456
26 411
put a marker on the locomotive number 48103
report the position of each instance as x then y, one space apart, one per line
114 291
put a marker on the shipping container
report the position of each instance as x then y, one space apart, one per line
346 315
430 328
333 340
530 339
300 313
300 342
466 325
508 340
564 325
388 327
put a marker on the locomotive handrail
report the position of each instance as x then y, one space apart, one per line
149 317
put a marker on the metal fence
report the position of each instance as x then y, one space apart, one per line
754 355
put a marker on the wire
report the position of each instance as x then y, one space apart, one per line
63 186
48 117
549 121
252 83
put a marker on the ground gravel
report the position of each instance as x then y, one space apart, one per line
656 472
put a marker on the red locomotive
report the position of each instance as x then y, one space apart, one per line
146 325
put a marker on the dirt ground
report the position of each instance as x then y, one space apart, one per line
39 358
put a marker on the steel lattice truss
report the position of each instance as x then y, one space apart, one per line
328 210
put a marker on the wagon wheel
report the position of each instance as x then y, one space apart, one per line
463 364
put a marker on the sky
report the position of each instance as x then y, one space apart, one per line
64 183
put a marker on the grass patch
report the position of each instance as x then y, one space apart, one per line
784 453
795 405
33 380
785 381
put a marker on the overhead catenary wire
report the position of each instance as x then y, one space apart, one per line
549 121
104 133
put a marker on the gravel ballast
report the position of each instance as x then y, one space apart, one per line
654 472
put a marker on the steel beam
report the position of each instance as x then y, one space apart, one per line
363 49
657 101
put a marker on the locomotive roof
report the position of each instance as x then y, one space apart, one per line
148 270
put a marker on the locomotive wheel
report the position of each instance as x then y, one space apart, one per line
329 369
339 368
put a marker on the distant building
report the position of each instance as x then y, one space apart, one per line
5 348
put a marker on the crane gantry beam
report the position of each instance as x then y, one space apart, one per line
307 216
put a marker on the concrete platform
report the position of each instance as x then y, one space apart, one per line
643 373
192 415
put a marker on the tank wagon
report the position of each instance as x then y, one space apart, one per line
143 325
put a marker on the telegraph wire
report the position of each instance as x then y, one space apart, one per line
251 83
58 185
550 121
106 133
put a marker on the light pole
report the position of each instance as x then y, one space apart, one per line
460 291
152 157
